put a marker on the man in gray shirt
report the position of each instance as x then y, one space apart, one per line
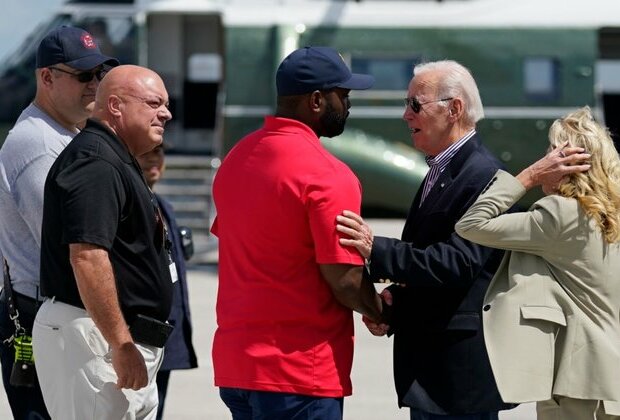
69 68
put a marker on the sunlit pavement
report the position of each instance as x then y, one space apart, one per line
192 395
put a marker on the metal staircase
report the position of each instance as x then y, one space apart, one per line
187 186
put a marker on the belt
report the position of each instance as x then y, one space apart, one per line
26 301
23 301
27 307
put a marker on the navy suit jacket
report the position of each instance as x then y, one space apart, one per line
179 351
440 362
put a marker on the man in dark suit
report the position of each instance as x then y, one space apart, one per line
441 367
179 352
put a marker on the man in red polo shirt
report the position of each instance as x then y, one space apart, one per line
283 348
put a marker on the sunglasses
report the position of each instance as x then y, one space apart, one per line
85 76
416 106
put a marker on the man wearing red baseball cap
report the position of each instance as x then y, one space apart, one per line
69 68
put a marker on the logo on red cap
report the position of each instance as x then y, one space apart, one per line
88 41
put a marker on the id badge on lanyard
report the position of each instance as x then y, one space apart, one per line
173 270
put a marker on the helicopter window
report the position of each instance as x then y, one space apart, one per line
102 1
115 36
540 78
17 73
391 73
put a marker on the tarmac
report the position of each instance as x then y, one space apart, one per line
192 395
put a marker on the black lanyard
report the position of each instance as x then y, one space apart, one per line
10 300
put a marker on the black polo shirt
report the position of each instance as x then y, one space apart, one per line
95 193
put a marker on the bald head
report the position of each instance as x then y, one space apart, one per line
133 102
128 80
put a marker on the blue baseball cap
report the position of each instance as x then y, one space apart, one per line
317 68
71 46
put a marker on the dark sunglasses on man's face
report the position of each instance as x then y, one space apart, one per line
416 106
84 76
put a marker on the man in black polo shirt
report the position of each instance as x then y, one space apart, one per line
105 263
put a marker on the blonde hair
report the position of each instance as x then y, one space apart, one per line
598 189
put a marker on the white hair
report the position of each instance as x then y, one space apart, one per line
456 81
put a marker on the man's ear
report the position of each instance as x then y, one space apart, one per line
45 74
456 109
115 105
316 101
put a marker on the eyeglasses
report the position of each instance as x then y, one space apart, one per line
416 106
84 76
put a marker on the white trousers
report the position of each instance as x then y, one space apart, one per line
75 370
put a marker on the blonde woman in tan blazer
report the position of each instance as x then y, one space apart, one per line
551 313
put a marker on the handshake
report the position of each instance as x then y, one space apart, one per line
381 327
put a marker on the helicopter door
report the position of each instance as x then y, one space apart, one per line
608 79
187 51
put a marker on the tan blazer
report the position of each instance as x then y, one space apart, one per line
551 313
